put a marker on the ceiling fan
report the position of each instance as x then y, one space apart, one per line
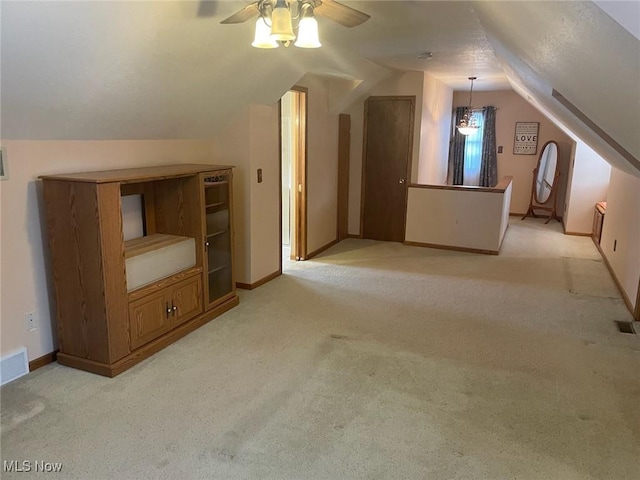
277 19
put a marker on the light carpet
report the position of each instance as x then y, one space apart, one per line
374 360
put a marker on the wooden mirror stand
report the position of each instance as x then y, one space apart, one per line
544 184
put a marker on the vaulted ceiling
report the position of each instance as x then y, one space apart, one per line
143 70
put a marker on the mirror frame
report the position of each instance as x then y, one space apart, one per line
537 172
549 205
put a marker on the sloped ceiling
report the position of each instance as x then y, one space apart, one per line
144 70
584 54
127 70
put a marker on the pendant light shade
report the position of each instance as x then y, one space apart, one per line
281 22
281 25
262 38
467 124
308 32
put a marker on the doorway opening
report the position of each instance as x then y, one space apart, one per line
293 175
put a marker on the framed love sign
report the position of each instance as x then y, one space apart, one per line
526 139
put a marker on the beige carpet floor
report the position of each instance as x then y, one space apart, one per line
372 361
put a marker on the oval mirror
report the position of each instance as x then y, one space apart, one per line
546 172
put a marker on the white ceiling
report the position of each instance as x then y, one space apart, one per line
398 32
169 69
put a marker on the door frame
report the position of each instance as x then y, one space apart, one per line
412 101
300 174
344 157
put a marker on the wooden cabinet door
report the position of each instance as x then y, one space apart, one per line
217 193
148 318
388 148
186 300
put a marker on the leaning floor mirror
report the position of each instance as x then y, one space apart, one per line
544 186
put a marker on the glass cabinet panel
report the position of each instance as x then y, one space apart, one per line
218 236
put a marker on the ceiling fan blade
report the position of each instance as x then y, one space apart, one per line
243 15
347 16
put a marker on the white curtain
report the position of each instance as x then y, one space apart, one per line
473 152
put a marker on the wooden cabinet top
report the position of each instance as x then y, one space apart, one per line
134 175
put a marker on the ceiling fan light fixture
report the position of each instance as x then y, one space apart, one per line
308 32
467 124
288 19
262 37
281 24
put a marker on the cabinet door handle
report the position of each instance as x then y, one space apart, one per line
168 309
206 243
174 308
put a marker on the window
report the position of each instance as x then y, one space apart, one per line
473 152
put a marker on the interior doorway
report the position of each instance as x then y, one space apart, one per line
293 175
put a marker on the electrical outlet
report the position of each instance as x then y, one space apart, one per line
30 320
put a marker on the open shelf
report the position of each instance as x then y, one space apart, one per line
149 243
215 184
156 256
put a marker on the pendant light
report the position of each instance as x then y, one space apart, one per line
262 38
307 29
277 23
467 124
281 25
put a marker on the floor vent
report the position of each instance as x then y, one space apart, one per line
625 327
13 366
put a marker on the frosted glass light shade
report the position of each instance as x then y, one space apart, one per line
262 38
281 26
467 130
308 33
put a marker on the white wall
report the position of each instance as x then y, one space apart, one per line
622 226
322 164
233 147
265 196
251 142
461 218
588 185
24 250
437 99
402 84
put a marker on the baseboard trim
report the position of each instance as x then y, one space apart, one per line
354 235
43 360
578 234
259 283
322 249
625 297
516 214
451 247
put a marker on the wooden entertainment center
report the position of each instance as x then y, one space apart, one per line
180 270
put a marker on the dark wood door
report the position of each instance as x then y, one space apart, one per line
388 147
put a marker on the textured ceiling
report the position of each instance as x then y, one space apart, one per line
583 53
138 70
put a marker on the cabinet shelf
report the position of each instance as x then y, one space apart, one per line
216 204
215 234
217 269
215 184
